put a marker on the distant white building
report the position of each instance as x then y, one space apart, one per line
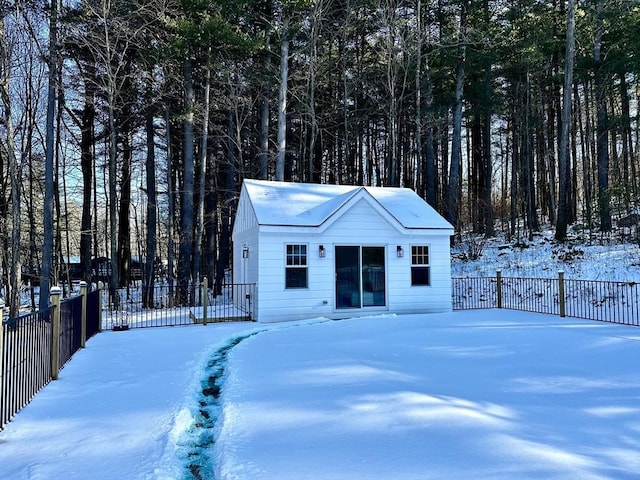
340 251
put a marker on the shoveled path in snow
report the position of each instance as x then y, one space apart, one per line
112 413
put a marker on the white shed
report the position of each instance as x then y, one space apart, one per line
340 251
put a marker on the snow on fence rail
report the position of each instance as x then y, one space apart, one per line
35 346
605 301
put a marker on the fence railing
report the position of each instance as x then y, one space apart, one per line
170 305
26 360
35 346
605 301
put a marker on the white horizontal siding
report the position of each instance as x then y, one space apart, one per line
405 298
361 225
278 303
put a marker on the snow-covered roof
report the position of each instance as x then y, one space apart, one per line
310 204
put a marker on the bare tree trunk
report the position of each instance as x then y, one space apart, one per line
265 15
35 241
515 167
311 173
211 221
586 179
47 246
547 148
602 147
62 198
630 178
396 81
392 67
627 142
152 208
171 202
114 280
124 223
456 141
430 173
197 247
87 144
226 184
487 198
424 113
186 212
282 107
564 175
263 162
418 99
15 173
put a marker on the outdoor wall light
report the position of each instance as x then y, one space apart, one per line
321 251
245 252
400 251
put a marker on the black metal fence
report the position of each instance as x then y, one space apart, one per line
93 313
616 302
70 328
167 306
31 353
26 360
605 301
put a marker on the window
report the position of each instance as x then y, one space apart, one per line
296 270
420 274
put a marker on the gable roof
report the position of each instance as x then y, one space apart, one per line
311 204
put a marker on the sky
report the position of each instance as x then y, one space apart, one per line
477 394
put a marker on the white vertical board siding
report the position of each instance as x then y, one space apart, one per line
245 215
245 270
245 231
245 234
361 224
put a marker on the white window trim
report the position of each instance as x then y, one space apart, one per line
287 266
428 265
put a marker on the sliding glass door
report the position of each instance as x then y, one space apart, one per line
360 276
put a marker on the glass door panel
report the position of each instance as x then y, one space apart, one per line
373 277
360 277
348 277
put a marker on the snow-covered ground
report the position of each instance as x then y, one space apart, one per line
479 394
543 257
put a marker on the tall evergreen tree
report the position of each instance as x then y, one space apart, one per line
564 176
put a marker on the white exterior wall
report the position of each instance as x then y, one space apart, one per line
245 269
436 297
363 224
245 234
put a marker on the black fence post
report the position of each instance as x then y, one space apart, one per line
2 379
205 298
83 321
100 287
55 340
499 287
561 294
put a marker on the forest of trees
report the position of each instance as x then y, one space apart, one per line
126 127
